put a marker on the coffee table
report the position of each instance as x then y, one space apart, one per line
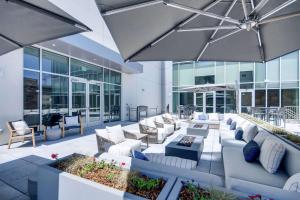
192 152
197 129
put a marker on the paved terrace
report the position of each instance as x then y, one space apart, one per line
21 161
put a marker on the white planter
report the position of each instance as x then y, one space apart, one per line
55 184
53 133
174 194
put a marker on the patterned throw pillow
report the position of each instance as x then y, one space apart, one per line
271 154
21 128
233 125
250 131
293 183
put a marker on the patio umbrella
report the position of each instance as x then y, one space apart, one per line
219 30
26 22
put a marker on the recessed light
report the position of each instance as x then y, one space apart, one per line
53 45
94 59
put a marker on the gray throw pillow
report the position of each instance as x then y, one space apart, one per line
260 137
250 132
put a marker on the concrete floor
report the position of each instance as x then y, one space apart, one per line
21 161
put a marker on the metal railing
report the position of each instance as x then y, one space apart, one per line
292 112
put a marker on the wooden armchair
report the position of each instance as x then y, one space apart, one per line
71 122
20 130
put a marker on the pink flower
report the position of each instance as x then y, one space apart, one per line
255 197
54 156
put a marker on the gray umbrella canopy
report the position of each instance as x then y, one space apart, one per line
26 22
219 30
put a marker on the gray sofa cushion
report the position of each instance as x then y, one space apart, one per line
233 143
235 166
226 134
250 132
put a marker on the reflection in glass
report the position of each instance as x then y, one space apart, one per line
260 98
175 101
273 98
106 103
31 58
209 102
86 70
31 97
289 97
246 101
199 102
115 103
94 100
220 102
79 99
186 98
55 94
230 101
55 63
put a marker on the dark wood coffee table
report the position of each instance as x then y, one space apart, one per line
192 152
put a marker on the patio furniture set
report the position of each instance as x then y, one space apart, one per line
56 128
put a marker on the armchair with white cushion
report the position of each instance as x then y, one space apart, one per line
169 119
159 122
113 141
155 133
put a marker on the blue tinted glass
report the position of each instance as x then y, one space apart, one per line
31 58
55 63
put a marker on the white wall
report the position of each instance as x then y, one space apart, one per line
167 85
142 89
11 90
87 12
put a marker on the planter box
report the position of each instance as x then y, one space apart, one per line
55 184
174 194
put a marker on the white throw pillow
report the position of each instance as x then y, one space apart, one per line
150 122
72 121
103 133
249 132
115 134
159 119
271 154
21 128
196 115
293 183
214 116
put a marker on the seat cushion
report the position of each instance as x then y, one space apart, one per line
271 154
250 131
169 128
162 134
251 151
226 134
125 148
293 183
236 167
171 161
233 143
214 117
115 134
21 127
71 121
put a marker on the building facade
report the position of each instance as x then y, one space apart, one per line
271 84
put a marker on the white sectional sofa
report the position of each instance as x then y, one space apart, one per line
252 177
212 119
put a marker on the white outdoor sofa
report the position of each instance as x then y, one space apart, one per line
156 133
212 119
252 177
113 141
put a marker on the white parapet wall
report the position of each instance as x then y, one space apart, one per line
11 90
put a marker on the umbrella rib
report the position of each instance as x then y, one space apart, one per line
211 28
259 6
172 30
11 41
51 14
201 12
131 7
215 32
277 9
279 18
245 9
224 36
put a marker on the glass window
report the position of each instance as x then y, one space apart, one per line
175 74
260 72
86 70
106 103
232 72
204 68
55 94
290 97
199 102
246 66
175 101
115 103
55 63
186 98
115 77
220 69
31 58
260 98
220 102
273 98
289 67
31 97
106 75
186 74
273 76
199 80
230 101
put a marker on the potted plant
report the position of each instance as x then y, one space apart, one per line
82 177
191 190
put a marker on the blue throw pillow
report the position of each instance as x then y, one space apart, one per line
229 121
233 126
202 117
251 151
139 155
239 133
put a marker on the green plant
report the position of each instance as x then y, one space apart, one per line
220 195
143 183
110 176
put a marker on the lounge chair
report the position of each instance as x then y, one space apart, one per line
155 134
169 119
159 122
71 122
20 130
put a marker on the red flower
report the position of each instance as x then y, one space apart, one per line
54 156
255 197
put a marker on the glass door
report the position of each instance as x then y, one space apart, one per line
79 99
199 102
246 100
210 102
94 107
